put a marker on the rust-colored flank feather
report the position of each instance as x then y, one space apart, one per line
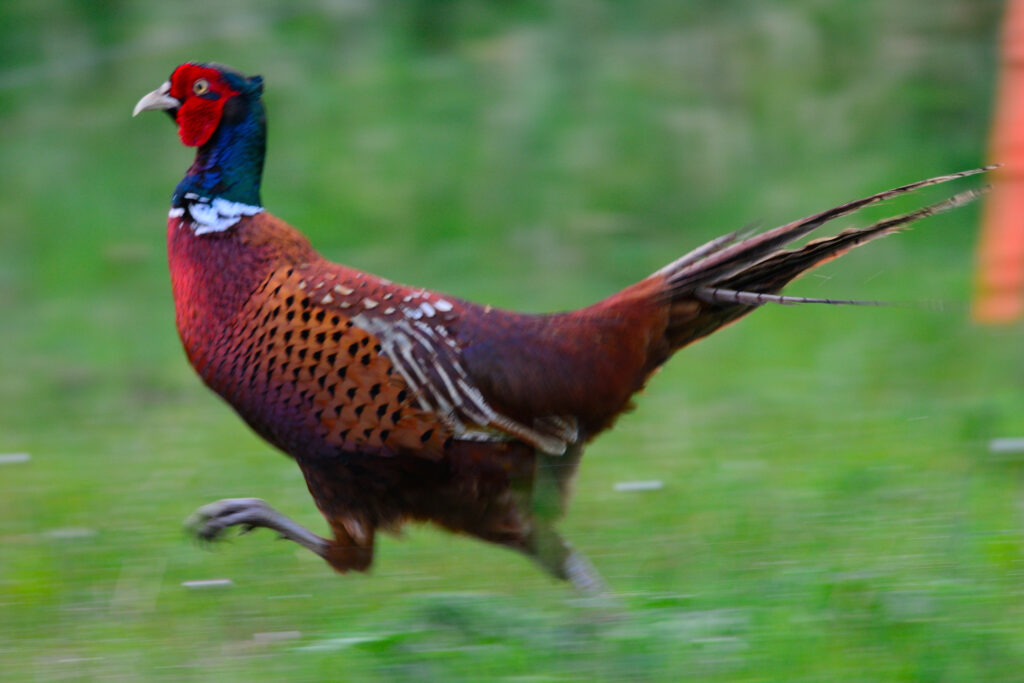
403 404
298 348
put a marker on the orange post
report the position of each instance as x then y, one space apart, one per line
999 296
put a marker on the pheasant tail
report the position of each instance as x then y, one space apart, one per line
732 276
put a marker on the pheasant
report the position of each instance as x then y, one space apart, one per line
402 404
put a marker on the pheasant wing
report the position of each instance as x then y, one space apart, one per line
402 382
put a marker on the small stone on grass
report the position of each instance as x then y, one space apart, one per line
652 485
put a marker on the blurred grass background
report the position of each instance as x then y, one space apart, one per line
830 509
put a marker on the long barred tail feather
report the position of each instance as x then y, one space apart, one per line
730 277
723 263
774 272
721 295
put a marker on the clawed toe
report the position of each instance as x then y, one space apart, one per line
209 522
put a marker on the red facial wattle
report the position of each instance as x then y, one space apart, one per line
199 114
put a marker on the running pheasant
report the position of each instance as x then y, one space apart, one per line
400 403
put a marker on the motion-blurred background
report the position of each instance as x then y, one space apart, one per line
830 507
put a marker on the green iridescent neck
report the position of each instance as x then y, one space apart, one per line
230 165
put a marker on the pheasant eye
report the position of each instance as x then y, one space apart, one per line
200 87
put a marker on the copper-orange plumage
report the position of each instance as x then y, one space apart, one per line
403 404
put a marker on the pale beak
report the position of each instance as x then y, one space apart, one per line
158 99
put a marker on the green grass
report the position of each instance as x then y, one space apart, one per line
830 509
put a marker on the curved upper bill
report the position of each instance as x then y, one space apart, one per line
158 99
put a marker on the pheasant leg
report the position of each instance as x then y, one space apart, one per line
556 555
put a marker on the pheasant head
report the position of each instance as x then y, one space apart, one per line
220 111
